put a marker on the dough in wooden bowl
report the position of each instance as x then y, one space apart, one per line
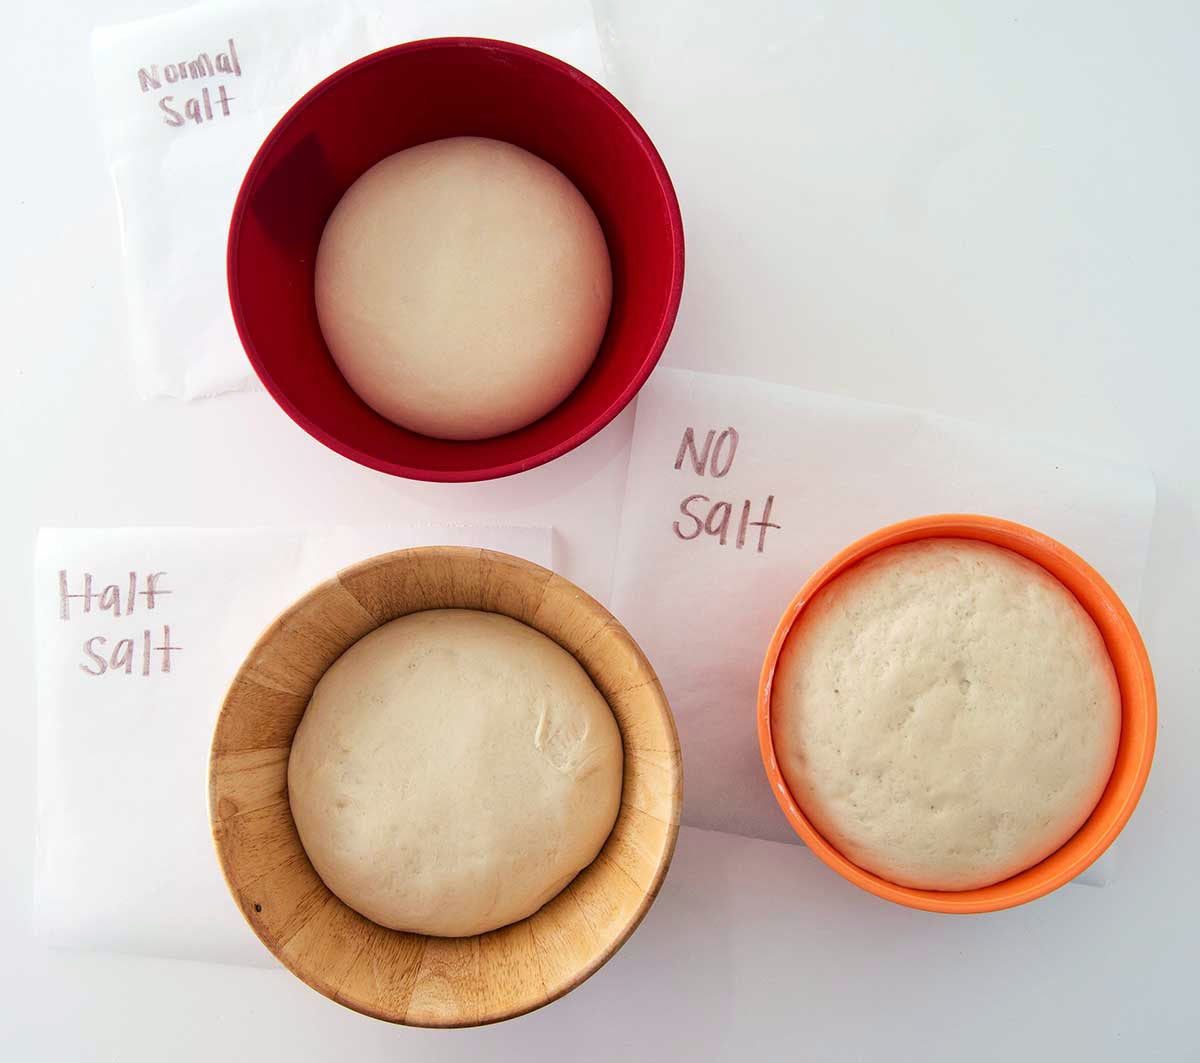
463 287
945 714
453 771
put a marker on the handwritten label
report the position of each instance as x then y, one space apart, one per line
706 516
145 652
209 102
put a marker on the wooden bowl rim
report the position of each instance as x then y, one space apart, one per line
457 555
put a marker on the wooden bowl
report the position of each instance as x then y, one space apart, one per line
412 978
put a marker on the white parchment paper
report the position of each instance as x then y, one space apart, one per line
185 99
128 693
831 470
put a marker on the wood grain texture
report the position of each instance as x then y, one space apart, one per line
412 978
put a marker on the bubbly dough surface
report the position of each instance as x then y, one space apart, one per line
945 714
453 771
463 287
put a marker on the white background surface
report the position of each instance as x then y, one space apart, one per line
990 213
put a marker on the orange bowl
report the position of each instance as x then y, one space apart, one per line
1139 714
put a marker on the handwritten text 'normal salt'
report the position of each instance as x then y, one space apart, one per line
182 102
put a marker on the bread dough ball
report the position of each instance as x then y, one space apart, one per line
453 771
945 714
463 287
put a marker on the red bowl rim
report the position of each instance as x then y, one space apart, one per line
632 386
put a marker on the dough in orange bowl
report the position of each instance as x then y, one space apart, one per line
945 714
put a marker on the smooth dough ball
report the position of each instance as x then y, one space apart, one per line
945 713
453 771
463 287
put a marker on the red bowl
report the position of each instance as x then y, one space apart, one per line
407 95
